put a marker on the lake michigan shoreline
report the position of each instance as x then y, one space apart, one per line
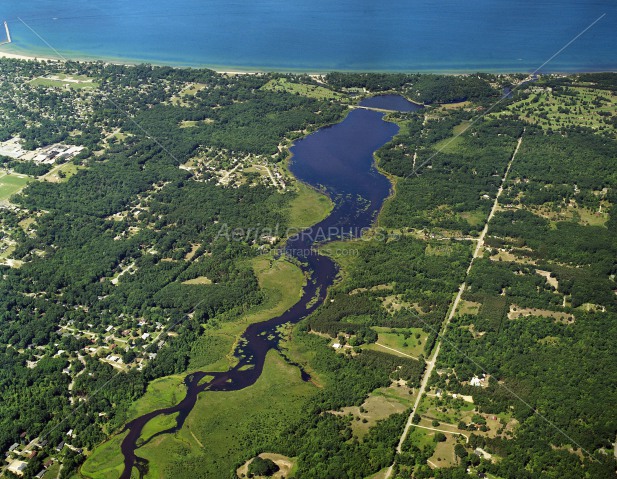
255 70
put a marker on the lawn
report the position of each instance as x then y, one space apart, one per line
393 341
311 91
11 184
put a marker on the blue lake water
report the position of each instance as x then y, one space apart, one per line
339 160
320 35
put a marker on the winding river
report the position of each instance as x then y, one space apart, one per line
339 161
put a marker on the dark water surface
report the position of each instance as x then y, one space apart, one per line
339 161
390 102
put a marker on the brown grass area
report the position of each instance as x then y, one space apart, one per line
518 312
503 255
444 453
381 404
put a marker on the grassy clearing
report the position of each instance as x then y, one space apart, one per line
454 106
228 438
571 212
194 123
449 145
286 465
62 173
308 207
518 312
444 453
446 410
474 218
469 307
187 93
12 184
421 437
380 404
405 341
67 82
312 91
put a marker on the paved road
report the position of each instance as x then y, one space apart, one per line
430 365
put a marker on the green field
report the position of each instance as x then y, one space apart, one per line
312 91
67 170
11 184
394 338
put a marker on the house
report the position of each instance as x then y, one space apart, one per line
60 446
337 346
13 447
145 336
40 474
17 467
475 381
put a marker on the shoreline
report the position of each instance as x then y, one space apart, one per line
231 70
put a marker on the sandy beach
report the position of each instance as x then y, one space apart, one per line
16 56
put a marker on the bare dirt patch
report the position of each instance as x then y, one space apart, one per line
549 279
284 463
198 280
